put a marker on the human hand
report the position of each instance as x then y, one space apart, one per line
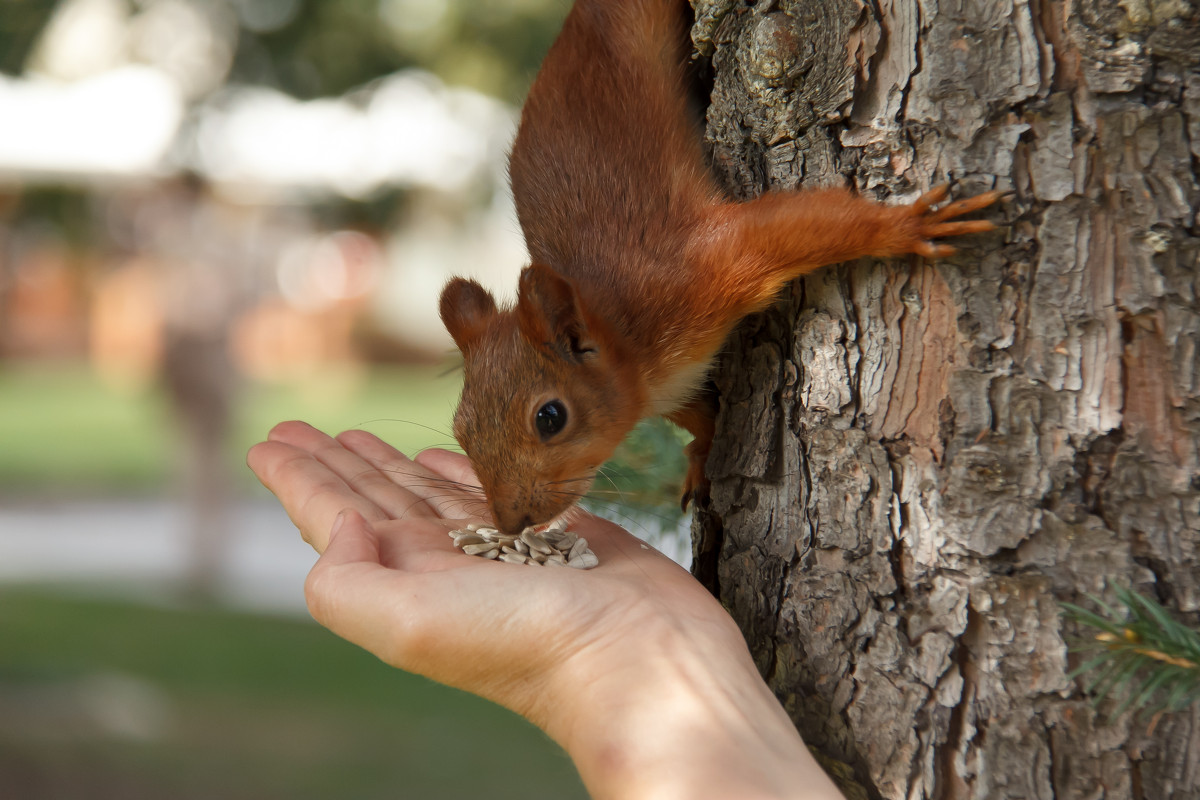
610 661
467 620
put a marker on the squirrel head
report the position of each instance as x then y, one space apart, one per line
547 394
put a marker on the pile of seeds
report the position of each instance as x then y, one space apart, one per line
552 548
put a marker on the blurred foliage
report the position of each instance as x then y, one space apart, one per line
327 47
376 213
312 48
230 705
644 477
20 23
65 214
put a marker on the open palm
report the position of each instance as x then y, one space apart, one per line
392 581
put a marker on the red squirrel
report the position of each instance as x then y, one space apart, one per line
640 264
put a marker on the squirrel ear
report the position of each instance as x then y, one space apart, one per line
466 307
549 311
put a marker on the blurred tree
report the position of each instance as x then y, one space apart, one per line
915 462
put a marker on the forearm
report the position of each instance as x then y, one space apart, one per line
686 719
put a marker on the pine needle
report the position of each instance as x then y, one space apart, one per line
1140 652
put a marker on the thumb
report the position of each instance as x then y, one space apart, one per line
352 548
352 593
351 540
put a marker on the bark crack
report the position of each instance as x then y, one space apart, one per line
952 785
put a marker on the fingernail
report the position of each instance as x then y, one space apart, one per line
338 522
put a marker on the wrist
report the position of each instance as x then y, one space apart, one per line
689 717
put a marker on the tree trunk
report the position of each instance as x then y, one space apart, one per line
917 462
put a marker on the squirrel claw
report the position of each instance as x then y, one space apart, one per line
690 493
930 199
931 250
960 207
941 223
695 486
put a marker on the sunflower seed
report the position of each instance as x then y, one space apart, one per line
534 541
584 561
577 549
551 547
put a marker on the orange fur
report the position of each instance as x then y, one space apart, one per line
641 267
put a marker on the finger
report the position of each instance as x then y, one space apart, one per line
930 199
293 432
358 544
348 589
402 616
941 230
442 479
965 206
931 250
394 481
362 476
454 466
407 472
309 491
410 546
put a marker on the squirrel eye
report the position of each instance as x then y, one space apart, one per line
550 418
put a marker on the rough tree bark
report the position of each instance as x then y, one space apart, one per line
917 462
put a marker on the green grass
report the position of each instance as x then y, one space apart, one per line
63 430
409 407
246 707
60 426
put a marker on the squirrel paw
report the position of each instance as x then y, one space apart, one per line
693 491
932 223
696 483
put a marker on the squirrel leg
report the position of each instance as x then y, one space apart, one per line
781 235
698 418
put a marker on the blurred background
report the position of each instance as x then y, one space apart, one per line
216 215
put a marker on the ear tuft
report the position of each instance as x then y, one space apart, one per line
549 312
466 308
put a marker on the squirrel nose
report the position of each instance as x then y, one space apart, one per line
513 523
524 522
